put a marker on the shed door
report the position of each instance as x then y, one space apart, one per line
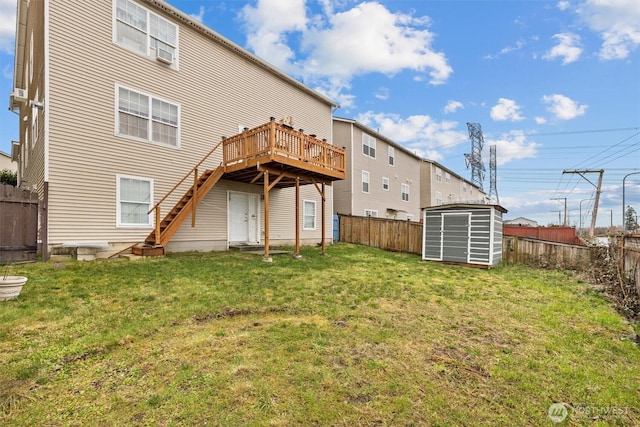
455 237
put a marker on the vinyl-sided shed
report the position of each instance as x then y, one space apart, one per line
463 233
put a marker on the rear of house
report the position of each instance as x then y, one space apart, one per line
123 98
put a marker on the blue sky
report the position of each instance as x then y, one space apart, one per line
554 84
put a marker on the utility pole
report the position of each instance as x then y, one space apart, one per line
565 208
598 187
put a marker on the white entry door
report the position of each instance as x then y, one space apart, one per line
244 217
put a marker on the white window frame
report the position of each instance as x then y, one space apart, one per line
366 179
404 190
149 39
438 198
447 177
438 175
385 183
392 156
464 187
150 216
368 146
409 217
306 215
371 212
150 119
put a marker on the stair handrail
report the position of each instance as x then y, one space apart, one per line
156 207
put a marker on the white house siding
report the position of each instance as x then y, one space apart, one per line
217 90
406 170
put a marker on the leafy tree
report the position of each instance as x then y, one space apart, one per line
8 177
630 219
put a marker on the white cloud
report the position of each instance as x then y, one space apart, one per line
563 107
563 5
268 24
617 21
567 48
200 15
506 109
419 133
382 93
7 25
512 146
506 50
453 106
540 120
338 45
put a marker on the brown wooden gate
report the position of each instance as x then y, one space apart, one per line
18 224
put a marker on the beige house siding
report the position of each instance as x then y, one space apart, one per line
452 187
31 78
343 191
406 170
6 163
216 89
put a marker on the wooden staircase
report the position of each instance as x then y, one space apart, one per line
186 206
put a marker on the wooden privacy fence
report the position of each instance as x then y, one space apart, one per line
387 234
18 224
541 253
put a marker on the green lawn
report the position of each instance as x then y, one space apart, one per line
359 337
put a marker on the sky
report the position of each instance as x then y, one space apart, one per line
555 85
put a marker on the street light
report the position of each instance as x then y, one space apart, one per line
623 205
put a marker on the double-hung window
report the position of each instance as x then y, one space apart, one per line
392 156
135 199
405 192
385 183
309 213
142 116
142 31
438 175
368 145
365 181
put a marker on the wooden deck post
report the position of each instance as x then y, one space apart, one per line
297 252
324 199
266 216
194 199
157 225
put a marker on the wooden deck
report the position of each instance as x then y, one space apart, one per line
272 155
283 151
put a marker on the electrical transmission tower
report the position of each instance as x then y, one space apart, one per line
475 158
493 187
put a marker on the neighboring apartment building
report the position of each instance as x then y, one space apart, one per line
119 99
440 186
7 163
383 177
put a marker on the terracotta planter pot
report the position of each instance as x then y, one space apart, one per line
10 286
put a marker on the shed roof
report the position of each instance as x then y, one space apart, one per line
464 206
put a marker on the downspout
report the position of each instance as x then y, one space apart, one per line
47 103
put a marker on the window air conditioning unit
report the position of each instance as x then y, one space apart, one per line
165 56
19 95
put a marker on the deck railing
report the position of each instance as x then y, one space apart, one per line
277 139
